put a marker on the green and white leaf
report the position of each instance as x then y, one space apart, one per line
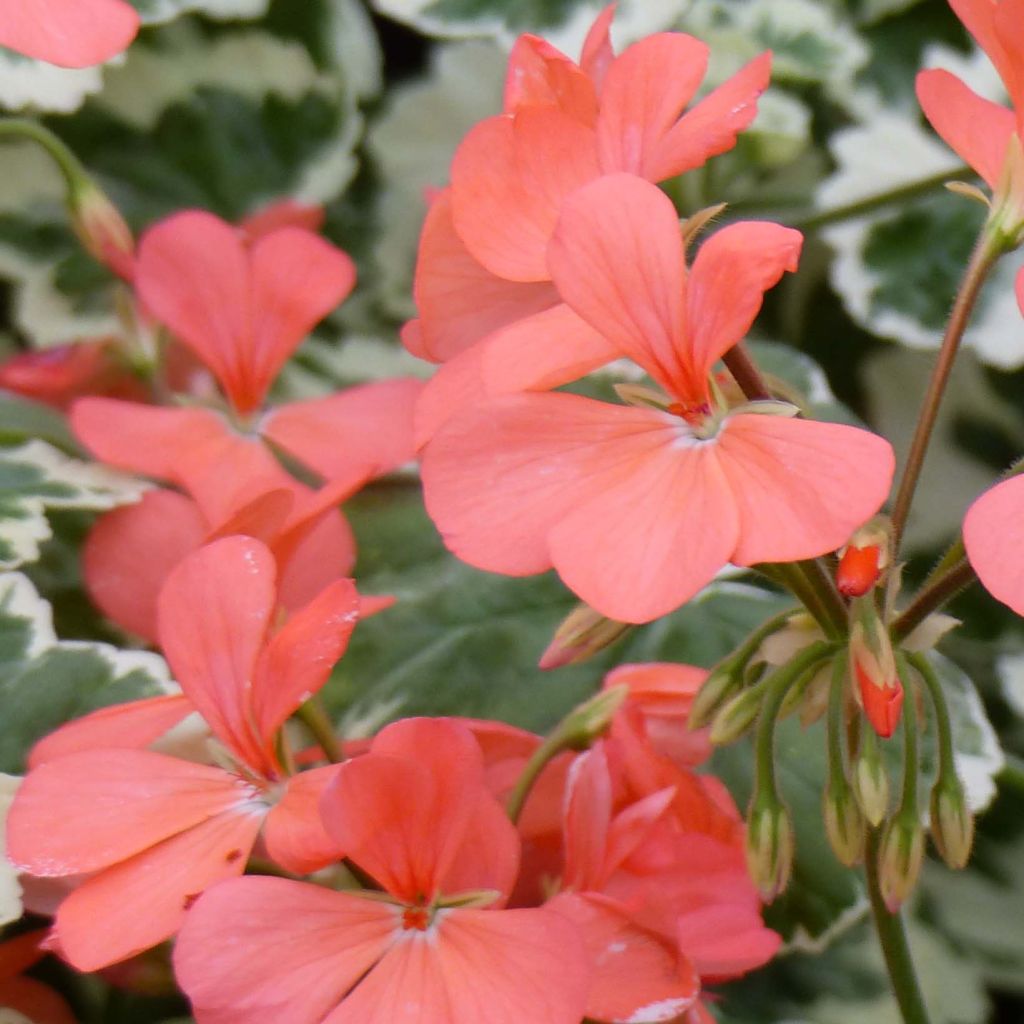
158 12
27 84
36 476
1010 670
45 682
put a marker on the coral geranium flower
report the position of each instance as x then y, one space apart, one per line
71 33
153 831
987 135
638 508
435 945
482 271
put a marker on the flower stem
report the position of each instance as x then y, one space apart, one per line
745 372
986 251
68 164
314 718
933 595
869 204
892 937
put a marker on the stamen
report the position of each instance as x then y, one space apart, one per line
415 919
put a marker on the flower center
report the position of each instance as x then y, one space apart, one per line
416 919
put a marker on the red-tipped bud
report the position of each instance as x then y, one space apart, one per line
582 634
858 570
952 824
101 229
873 665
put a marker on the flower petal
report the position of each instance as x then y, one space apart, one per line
728 279
124 565
268 950
358 433
297 279
726 940
213 616
801 487
646 89
131 726
636 976
977 129
100 922
85 811
459 300
296 662
294 831
617 259
994 538
540 75
510 177
69 33
711 126
485 966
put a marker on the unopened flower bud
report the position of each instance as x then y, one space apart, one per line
873 665
737 716
590 721
899 860
771 844
101 228
845 825
713 693
582 634
870 782
952 824
864 558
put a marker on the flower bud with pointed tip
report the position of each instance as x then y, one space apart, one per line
101 228
845 825
582 634
870 783
864 558
736 717
952 824
899 860
591 719
873 665
771 844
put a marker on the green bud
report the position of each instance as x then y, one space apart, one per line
871 781
582 634
845 825
737 716
100 227
714 692
899 860
771 844
589 721
952 824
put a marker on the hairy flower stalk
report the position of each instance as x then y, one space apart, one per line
844 821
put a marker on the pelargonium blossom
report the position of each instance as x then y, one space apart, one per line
71 33
639 507
153 831
435 944
482 273
987 135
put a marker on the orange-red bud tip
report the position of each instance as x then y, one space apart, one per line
859 569
883 701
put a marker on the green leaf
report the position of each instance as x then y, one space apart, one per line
36 476
45 682
22 419
156 12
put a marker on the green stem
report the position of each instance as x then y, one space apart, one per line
869 204
775 693
933 596
68 164
892 937
745 372
834 735
911 767
749 647
553 745
943 727
986 251
314 718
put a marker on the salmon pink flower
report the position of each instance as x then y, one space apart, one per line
987 135
435 945
993 537
31 999
638 508
153 831
71 33
482 271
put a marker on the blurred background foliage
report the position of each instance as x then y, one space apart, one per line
231 104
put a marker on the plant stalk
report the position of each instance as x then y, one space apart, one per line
314 718
932 596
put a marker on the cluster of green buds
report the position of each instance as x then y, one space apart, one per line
864 683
